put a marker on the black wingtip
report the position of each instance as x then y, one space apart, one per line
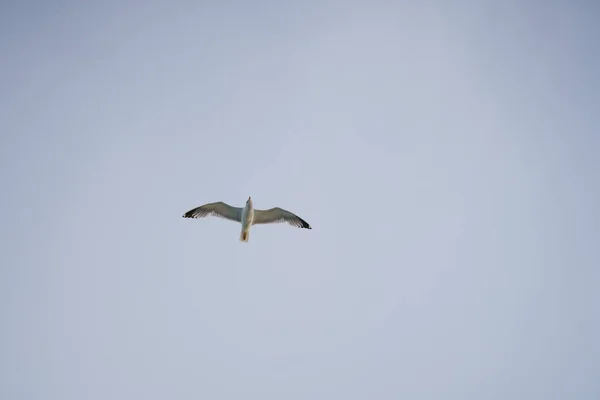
305 224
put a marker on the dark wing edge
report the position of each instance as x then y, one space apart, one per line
218 209
286 216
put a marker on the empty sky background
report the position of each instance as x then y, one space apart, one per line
445 153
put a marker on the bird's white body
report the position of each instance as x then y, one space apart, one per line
247 216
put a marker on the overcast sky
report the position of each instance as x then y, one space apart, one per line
446 155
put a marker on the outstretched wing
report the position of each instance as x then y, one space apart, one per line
218 209
277 215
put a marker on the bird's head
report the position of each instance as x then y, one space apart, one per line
249 200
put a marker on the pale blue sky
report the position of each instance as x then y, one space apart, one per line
445 153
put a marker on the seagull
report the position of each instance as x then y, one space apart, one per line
247 216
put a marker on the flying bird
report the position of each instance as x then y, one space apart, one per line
247 216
